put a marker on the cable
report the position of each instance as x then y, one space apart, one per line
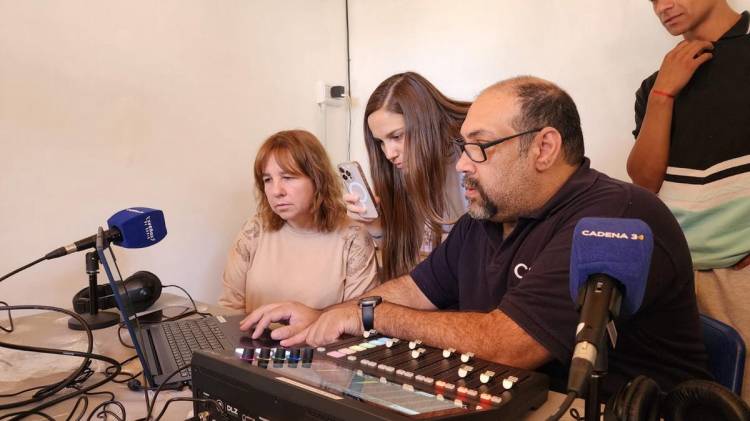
10 319
159 389
50 389
563 407
22 268
195 307
106 412
69 380
180 399
24 414
85 400
348 87
10 395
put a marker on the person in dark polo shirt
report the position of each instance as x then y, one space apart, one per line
504 267
692 148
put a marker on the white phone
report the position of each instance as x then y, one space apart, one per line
355 182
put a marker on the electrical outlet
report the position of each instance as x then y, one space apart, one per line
329 94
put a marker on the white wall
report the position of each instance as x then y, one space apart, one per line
597 50
110 104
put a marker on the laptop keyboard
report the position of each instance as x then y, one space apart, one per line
185 336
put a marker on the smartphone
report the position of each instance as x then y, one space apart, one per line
355 182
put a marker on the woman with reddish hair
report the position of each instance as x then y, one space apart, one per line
300 245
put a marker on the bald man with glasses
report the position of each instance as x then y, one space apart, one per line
503 270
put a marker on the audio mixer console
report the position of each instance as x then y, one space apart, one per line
377 378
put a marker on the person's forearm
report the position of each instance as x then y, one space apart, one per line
648 159
491 336
402 291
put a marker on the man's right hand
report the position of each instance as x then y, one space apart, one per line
680 64
297 315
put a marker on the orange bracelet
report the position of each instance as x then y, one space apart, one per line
662 93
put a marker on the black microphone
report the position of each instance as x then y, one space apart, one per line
129 228
110 235
609 264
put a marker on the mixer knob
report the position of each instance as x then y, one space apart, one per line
466 357
307 355
246 354
448 352
418 352
391 341
413 344
265 353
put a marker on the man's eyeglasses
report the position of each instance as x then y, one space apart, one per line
476 151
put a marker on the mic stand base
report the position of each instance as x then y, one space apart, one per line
100 320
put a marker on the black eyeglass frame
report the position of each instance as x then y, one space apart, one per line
461 143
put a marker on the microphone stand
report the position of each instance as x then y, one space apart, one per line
94 318
593 408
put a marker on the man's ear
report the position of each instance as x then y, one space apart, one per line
548 145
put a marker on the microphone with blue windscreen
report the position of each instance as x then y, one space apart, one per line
129 228
610 260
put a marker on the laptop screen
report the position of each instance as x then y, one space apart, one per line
122 298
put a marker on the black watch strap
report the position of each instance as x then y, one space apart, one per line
368 317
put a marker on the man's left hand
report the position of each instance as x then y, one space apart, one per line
339 320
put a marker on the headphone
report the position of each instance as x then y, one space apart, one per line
143 288
699 400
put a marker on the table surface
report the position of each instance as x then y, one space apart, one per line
20 370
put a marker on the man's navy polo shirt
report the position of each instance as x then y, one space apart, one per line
526 277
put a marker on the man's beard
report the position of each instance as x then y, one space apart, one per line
484 209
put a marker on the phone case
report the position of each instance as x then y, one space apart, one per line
355 182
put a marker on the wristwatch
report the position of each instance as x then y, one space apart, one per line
367 304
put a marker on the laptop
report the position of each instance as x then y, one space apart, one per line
165 347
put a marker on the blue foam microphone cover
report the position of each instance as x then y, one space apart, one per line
139 227
618 247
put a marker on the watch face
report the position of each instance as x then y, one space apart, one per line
370 301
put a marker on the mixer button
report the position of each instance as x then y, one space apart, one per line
391 341
466 357
447 353
413 344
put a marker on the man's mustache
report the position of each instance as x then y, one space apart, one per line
470 183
